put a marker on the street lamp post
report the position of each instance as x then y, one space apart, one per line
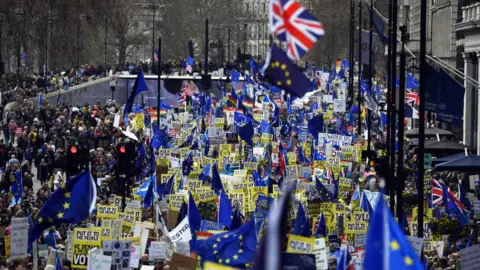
244 43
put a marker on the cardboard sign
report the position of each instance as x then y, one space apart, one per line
83 241
107 211
180 262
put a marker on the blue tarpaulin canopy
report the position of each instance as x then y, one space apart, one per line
466 163
449 158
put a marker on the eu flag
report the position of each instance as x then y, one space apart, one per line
225 210
244 127
323 192
71 203
321 230
234 248
194 219
217 185
284 74
301 223
386 247
139 86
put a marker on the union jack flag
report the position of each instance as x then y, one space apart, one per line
182 97
437 192
412 97
439 195
292 23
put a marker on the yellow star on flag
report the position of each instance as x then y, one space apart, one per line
40 220
60 215
408 260
235 257
67 194
227 261
66 205
394 244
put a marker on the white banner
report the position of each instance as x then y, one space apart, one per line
181 233
339 105
335 137
19 239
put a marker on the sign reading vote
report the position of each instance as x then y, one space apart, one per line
299 244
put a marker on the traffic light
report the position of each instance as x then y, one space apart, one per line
125 157
75 160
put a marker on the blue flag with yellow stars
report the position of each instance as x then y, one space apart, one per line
217 185
225 210
139 86
71 203
195 219
301 223
285 74
324 194
386 247
234 248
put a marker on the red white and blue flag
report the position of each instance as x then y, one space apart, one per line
437 192
155 54
292 23
189 66
412 97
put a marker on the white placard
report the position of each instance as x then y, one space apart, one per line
19 239
181 233
147 267
144 240
134 256
327 98
335 137
70 245
134 204
98 261
439 246
320 251
416 243
183 248
339 105
157 251
116 121
470 257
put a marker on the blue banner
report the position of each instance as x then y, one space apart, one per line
444 96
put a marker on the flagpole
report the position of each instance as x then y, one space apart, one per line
421 139
159 71
390 151
359 97
370 61
401 126
393 64
352 48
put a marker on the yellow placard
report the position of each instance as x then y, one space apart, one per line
107 211
83 241
240 173
216 266
254 193
239 198
266 138
251 166
292 158
139 121
300 244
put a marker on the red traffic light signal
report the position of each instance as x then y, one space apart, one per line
73 150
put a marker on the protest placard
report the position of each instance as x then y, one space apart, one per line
120 251
157 251
470 257
134 256
18 240
320 251
300 244
98 261
181 232
83 241
181 262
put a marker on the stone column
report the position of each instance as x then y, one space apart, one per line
467 102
